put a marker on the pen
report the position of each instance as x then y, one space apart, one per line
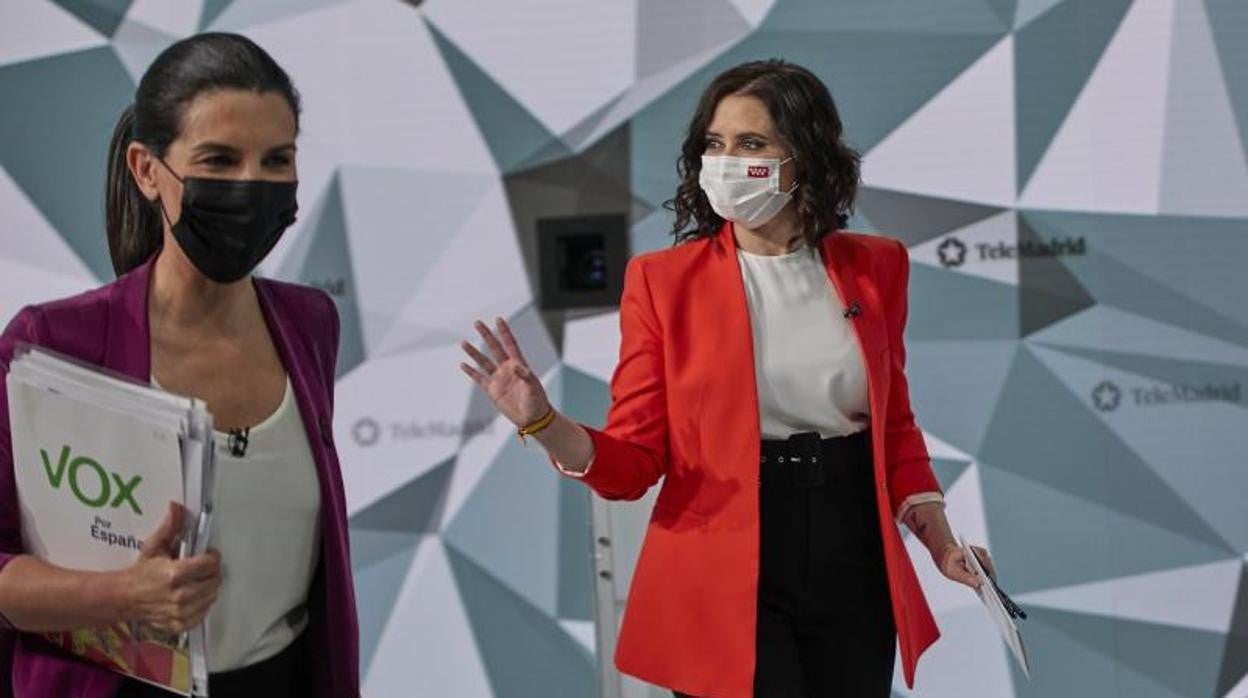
1012 608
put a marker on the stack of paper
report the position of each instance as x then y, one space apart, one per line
97 458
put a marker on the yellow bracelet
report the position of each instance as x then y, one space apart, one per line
537 426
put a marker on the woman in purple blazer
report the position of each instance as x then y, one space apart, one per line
201 184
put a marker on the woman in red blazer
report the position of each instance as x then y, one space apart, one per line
773 564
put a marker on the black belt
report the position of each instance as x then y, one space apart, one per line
808 456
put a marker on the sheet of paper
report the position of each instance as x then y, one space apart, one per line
996 610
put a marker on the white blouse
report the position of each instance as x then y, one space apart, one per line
266 524
807 362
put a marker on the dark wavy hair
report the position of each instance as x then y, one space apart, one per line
806 119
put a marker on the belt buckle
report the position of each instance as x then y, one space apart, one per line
805 449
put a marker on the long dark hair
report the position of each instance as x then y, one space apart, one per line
198 64
807 121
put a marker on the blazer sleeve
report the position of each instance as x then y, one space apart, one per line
25 327
631 452
908 465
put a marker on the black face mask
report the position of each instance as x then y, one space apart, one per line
228 227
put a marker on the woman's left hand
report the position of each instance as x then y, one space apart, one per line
955 566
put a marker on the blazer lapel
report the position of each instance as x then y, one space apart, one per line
302 371
333 628
728 322
848 270
128 344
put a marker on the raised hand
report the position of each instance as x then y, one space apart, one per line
505 375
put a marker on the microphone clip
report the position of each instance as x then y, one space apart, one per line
853 311
237 441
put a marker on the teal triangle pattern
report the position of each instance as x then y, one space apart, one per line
915 218
1089 461
1046 89
891 16
212 9
1229 21
58 152
1235 655
948 471
514 136
322 258
514 637
1181 660
103 15
1065 539
1048 291
974 369
1005 10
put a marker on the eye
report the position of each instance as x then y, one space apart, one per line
752 144
218 160
279 161
713 144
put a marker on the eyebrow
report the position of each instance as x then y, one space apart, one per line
211 147
746 134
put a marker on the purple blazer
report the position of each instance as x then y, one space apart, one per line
108 327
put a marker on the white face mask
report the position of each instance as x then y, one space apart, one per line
744 190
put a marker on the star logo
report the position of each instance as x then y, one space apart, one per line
952 252
366 431
1106 396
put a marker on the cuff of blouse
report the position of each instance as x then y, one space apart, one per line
916 499
574 473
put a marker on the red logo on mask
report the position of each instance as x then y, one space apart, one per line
758 171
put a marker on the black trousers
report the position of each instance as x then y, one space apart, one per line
825 623
286 674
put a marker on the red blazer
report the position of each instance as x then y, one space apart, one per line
684 407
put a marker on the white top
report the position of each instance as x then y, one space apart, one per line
266 525
807 362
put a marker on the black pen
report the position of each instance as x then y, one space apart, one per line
1012 608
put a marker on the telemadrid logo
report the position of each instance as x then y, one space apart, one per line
1106 396
952 251
366 431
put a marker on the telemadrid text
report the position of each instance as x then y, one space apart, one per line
1068 247
1166 393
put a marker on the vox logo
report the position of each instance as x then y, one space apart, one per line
758 171
89 482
